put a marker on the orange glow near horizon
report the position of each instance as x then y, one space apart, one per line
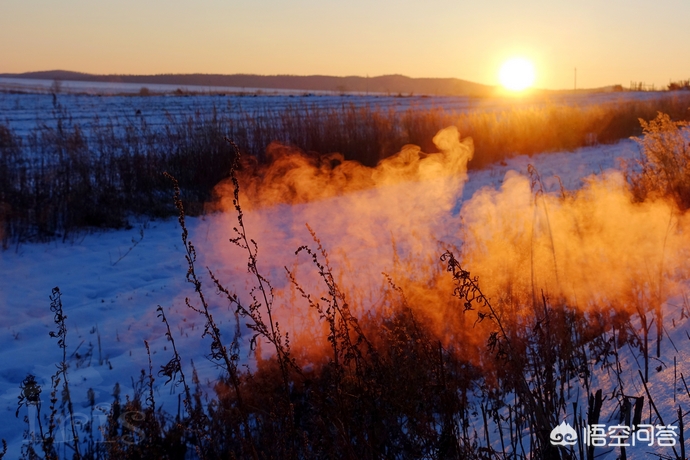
306 37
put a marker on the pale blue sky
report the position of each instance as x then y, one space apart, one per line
609 41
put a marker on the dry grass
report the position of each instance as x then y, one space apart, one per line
663 166
63 177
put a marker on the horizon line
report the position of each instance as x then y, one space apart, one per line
37 73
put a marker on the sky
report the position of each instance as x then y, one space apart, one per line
607 41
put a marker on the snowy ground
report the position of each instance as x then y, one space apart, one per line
37 85
86 102
112 286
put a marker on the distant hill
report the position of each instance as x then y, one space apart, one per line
388 84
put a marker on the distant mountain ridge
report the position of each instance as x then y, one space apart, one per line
389 84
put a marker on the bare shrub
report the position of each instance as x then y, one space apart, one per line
663 167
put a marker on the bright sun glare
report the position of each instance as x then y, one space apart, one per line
517 74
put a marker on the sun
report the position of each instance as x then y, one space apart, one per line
517 74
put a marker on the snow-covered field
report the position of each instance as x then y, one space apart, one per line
111 287
112 282
120 102
36 85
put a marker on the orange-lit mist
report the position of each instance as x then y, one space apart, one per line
592 248
370 220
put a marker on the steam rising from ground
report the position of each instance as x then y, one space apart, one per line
592 248
367 218
293 176
370 220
